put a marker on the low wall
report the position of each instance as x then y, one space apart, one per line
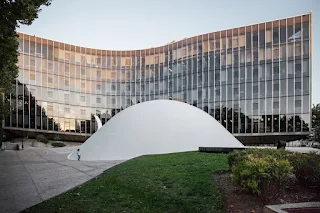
10 146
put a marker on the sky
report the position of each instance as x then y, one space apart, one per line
139 24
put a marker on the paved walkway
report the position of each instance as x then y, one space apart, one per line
30 176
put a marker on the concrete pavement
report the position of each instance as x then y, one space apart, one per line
30 176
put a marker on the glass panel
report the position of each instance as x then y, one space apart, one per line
283 35
305 30
306 67
283 123
275 35
306 86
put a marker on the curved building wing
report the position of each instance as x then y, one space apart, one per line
255 80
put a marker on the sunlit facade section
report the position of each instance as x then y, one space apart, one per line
255 80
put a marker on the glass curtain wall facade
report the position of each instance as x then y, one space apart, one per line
254 80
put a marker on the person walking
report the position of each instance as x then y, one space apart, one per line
78 154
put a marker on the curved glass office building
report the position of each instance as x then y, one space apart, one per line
255 80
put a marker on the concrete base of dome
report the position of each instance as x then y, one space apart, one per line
219 149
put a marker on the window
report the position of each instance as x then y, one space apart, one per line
268 53
290 50
50 65
98 100
306 30
50 79
283 35
298 68
242 56
249 56
50 94
305 67
236 91
241 41
32 91
83 112
98 74
82 98
248 40
66 72
98 60
83 59
66 82
67 56
83 85
32 62
275 35
114 62
268 36
157 60
255 106
217 44
235 41
113 87
98 86
128 62
298 49
275 52
298 103
290 33
306 48
261 54
32 77
184 52
50 108
261 38
229 56
283 52
255 39
67 110
113 75
275 105
83 72
66 97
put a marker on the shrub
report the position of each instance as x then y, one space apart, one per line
56 138
252 162
306 168
59 144
42 139
257 174
240 155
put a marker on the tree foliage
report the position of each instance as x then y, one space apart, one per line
12 14
316 122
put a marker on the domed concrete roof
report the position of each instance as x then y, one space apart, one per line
155 127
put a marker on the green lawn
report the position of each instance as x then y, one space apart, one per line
180 182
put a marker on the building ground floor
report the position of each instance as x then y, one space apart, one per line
246 138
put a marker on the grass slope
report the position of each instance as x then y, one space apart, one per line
180 182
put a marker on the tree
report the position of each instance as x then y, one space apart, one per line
12 14
316 122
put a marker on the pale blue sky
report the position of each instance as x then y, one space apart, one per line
138 24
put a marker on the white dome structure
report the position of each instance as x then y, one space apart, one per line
155 127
